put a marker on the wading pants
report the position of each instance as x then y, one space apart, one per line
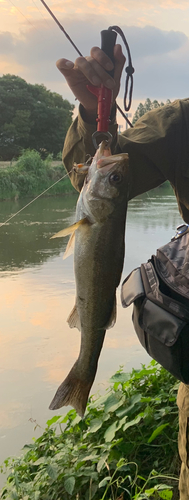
183 439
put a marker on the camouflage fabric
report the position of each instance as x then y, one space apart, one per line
158 148
183 440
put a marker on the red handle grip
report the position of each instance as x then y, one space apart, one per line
104 96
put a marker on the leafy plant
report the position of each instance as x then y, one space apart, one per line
127 435
31 175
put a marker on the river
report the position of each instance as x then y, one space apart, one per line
37 291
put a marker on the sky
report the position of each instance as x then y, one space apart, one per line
157 32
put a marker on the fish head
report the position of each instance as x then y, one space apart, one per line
106 185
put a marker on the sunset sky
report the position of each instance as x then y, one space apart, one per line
157 33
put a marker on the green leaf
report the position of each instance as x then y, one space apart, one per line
14 495
52 471
113 402
120 377
95 424
28 446
156 433
165 494
150 492
76 420
99 401
89 457
110 432
69 484
40 461
52 420
104 481
102 461
121 462
132 422
37 495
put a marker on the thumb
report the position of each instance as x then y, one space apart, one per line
64 66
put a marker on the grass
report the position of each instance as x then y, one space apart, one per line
125 448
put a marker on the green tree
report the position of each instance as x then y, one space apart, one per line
147 106
31 117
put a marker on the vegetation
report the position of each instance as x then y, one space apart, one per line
31 175
147 106
31 117
124 448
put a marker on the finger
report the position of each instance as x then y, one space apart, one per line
64 65
105 78
102 58
94 72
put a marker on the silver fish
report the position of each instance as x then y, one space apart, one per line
98 261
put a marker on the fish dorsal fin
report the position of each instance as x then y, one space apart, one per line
70 229
112 319
74 319
70 246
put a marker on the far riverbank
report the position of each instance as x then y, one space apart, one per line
30 176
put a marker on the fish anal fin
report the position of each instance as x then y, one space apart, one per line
74 319
71 229
73 391
112 319
70 246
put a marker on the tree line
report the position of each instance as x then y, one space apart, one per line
147 106
31 117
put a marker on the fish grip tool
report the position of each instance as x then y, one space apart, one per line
103 94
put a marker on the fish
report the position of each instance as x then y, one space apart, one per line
99 234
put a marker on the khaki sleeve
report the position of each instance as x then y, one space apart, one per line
78 146
158 147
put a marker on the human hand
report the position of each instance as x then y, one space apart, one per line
92 70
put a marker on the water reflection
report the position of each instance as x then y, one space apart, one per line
25 240
38 292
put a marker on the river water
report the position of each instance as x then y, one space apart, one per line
37 348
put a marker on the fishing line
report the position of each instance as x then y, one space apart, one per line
23 15
23 208
61 27
41 13
129 69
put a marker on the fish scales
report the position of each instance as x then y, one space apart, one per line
98 262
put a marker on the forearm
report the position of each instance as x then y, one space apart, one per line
79 146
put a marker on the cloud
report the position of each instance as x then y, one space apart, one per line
6 43
174 4
159 56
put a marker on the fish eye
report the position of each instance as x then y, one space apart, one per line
115 178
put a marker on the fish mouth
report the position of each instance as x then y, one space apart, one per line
104 150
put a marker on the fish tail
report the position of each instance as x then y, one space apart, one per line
73 391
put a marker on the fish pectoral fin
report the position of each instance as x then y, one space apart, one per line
70 229
74 319
112 319
70 246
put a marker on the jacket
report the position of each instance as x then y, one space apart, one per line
158 148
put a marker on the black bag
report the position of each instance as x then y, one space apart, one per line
159 291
